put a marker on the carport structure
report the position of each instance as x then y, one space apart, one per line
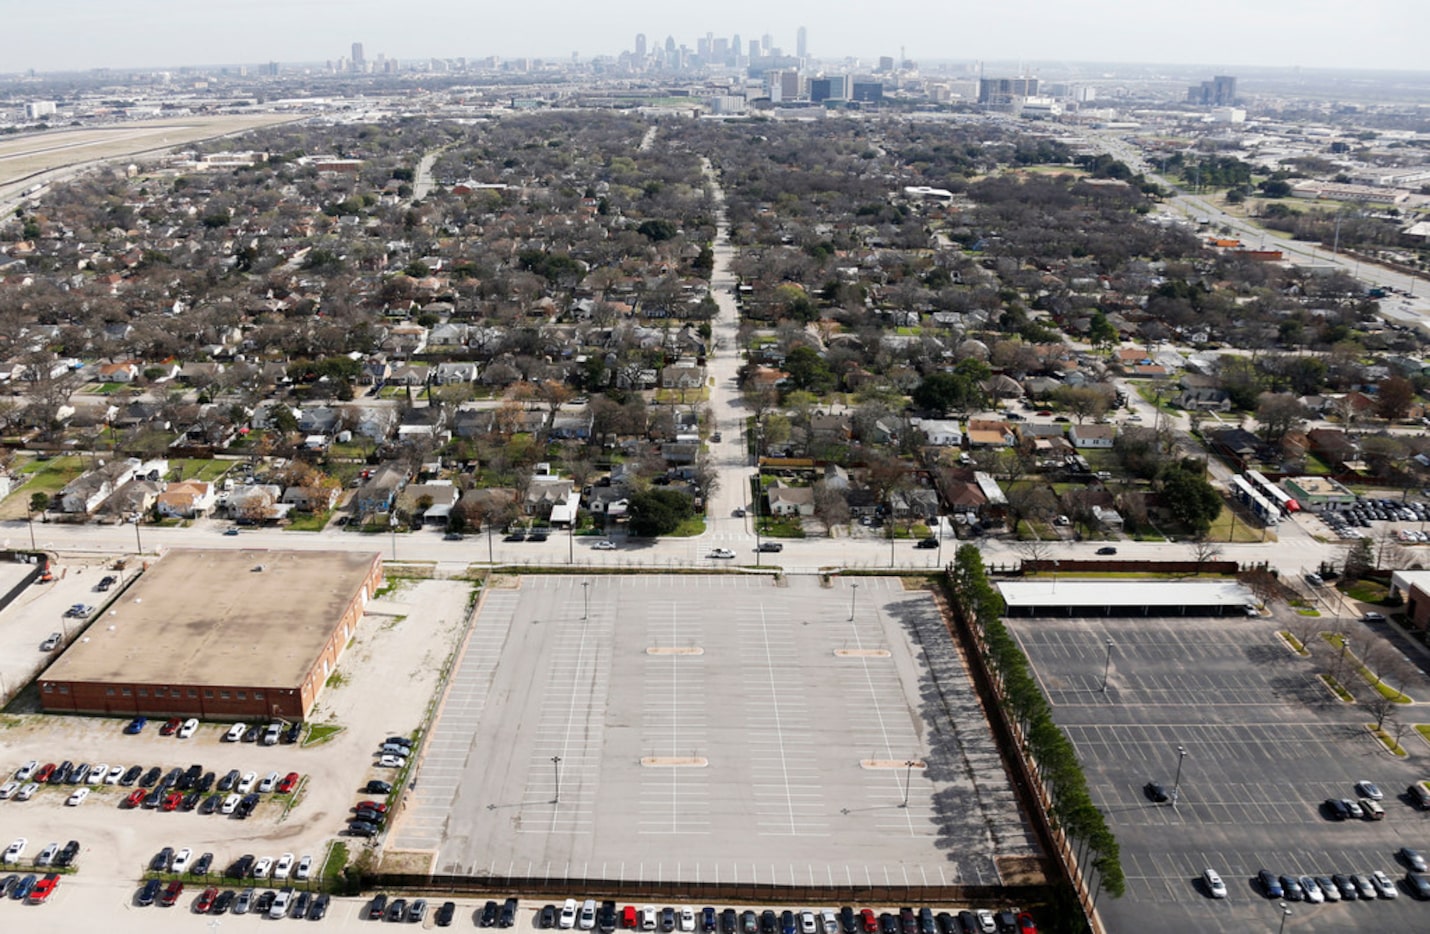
1126 598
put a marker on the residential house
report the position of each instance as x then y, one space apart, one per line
379 492
256 502
918 503
83 494
1084 437
682 376
1107 518
1204 399
544 493
790 500
983 433
126 372
186 499
450 374
940 432
440 495
134 498
312 499
573 425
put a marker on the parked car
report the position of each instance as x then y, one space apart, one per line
52 643
1216 888
189 728
136 725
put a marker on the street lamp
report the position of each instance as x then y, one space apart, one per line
853 592
556 764
585 600
1285 913
1177 784
908 780
1106 666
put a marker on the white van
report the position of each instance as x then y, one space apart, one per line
587 920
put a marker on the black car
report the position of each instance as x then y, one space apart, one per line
290 735
927 925
300 905
319 907
154 798
749 924
546 918
489 915
1107 550
398 741
171 777
1419 884
368 816
377 787
1270 885
191 801
149 892
515 536
848 920
508 914
246 806
1336 809
250 735
667 918
729 921
205 783
61 773
888 924
211 804
445 914
66 856
263 902
240 867
926 543
397 909
161 860
377 908
151 777
947 923
105 582
223 902
969 922
769 922
131 775
1156 792
359 828
229 780
787 922
202 865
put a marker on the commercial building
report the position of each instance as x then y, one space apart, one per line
1220 91
1317 491
1004 92
1414 588
218 635
1125 598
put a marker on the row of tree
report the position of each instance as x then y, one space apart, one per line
1045 743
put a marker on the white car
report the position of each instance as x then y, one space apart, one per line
649 918
687 918
8 789
181 861
235 733
586 920
27 770
116 772
1314 895
230 804
303 869
568 915
270 781
96 774
279 908
27 792
986 924
245 784
14 850
806 922
283 867
1215 887
721 553
392 762
76 799
604 545
1383 886
831 923
190 727
1369 790
262 867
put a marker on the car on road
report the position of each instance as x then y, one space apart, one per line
1107 550
738 512
105 582
926 543
1372 617
771 546
1411 858
1369 790
78 611
136 725
721 553
604 545
1315 580
52 643
230 531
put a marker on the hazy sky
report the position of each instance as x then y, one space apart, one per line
78 34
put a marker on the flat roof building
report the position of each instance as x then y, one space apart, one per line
1125 598
1317 491
218 635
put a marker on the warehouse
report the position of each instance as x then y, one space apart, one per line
1127 598
218 635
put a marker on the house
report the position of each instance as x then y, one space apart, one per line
565 513
134 498
1204 399
918 503
830 429
682 376
1107 518
450 374
379 492
430 502
259 502
984 433
83 494
940 432
126 372
1084 437
186 499
545 493
790 500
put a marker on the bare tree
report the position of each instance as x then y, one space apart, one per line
1203 551
1379 707
830 507
1034 550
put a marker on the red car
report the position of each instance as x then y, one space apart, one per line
43 775
135 799
172 801
171 893
869 920
371 806
1026 925
171 727
206 900
43 888
287 783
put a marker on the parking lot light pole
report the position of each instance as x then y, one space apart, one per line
853 592
556 764
1285 913
1107 666
585 600
908 781
1177 784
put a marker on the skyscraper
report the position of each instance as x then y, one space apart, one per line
359 62
640 46
801 42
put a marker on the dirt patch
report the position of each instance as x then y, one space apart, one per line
1022 870
407 862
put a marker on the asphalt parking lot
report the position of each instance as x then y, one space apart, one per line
711 728
1265 745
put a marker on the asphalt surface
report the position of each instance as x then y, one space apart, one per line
712 728
1266 744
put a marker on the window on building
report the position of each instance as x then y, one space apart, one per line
109 692
143 692
193 692
208 694
126 692
243 695
161 692
223 695
49 689
258 695
64 688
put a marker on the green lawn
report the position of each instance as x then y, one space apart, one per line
188 468
690 528
781 527
308 522
42 476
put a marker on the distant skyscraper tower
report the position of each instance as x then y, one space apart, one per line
737 48
640 46
754 49
358 61
801 42
670 43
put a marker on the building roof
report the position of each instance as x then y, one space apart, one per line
1102 593
243 617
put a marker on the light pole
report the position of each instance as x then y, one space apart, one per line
30 519
908 780
138 545
759 488
1177 784
1106 666
1285 913
585 600
853 592
571 542
556 764
391 527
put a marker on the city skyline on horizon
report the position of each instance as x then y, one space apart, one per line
1223 33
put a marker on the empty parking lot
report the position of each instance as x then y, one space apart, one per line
714 728
1265 744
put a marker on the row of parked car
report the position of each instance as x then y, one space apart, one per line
213 901
606 918
370 816
29 888
270 735
1338 886
53 855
